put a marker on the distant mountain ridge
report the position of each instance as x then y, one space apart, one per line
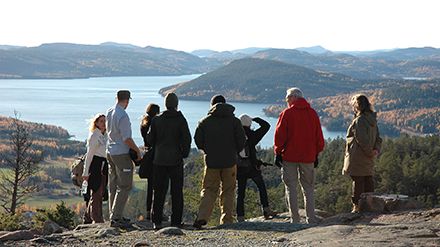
65 60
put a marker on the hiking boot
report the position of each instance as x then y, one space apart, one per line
240 218
268 213
355 209
199 223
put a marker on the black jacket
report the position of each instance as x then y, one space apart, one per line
144 131
220 136
170 137
253 138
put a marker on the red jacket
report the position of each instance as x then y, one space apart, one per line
298 135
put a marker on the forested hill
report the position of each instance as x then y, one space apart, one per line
260 80
64 60
52 140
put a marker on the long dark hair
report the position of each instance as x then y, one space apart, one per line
361 104
151 111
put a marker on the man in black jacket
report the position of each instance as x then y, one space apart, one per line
170 137
220 136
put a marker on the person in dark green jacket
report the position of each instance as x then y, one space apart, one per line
170 137
220 137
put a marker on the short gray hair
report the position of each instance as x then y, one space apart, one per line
295 92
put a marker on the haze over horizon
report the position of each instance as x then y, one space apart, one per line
340 25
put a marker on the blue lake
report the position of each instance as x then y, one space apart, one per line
70 103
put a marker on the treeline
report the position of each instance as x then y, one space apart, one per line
53 141
406 165
403 107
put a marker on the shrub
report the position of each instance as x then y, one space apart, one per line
10 222
61 215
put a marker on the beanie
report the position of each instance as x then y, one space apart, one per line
246 120
217 99
171 101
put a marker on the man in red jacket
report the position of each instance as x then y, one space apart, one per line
298 141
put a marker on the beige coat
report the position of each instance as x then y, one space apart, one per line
362 138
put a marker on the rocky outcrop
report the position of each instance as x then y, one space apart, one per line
382 203
404 228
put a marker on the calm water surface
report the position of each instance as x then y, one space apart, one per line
70 103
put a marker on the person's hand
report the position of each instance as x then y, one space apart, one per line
86 178
139 155
375 152
278 160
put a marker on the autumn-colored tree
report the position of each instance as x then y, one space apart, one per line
18 166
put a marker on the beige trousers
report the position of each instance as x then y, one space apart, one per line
213 181
120 183
290 173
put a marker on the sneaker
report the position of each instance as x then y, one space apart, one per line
120 223
269 214
240 218
199 223
157 226
178 225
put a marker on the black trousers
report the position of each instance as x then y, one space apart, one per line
241 192
161 177
150 193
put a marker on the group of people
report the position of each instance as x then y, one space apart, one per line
228 144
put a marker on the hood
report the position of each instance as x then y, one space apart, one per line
371 118
171 114
222 110
300 104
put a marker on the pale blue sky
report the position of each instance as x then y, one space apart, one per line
223 25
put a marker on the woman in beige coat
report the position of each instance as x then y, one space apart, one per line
362 147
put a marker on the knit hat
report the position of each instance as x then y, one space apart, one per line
217 99
171 101
245 120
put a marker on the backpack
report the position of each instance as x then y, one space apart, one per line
77 169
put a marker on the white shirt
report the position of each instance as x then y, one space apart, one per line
95 146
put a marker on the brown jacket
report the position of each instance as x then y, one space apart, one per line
362 138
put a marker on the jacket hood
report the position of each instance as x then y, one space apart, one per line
371 118
222 110
171 114
300 104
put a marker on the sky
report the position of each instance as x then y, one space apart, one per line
187 25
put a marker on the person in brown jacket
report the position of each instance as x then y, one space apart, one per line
362 147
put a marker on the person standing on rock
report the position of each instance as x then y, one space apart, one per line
96 169
298 141
220 137
170 137
121 166
362 147
249 167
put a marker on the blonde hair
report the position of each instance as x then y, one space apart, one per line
94 120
